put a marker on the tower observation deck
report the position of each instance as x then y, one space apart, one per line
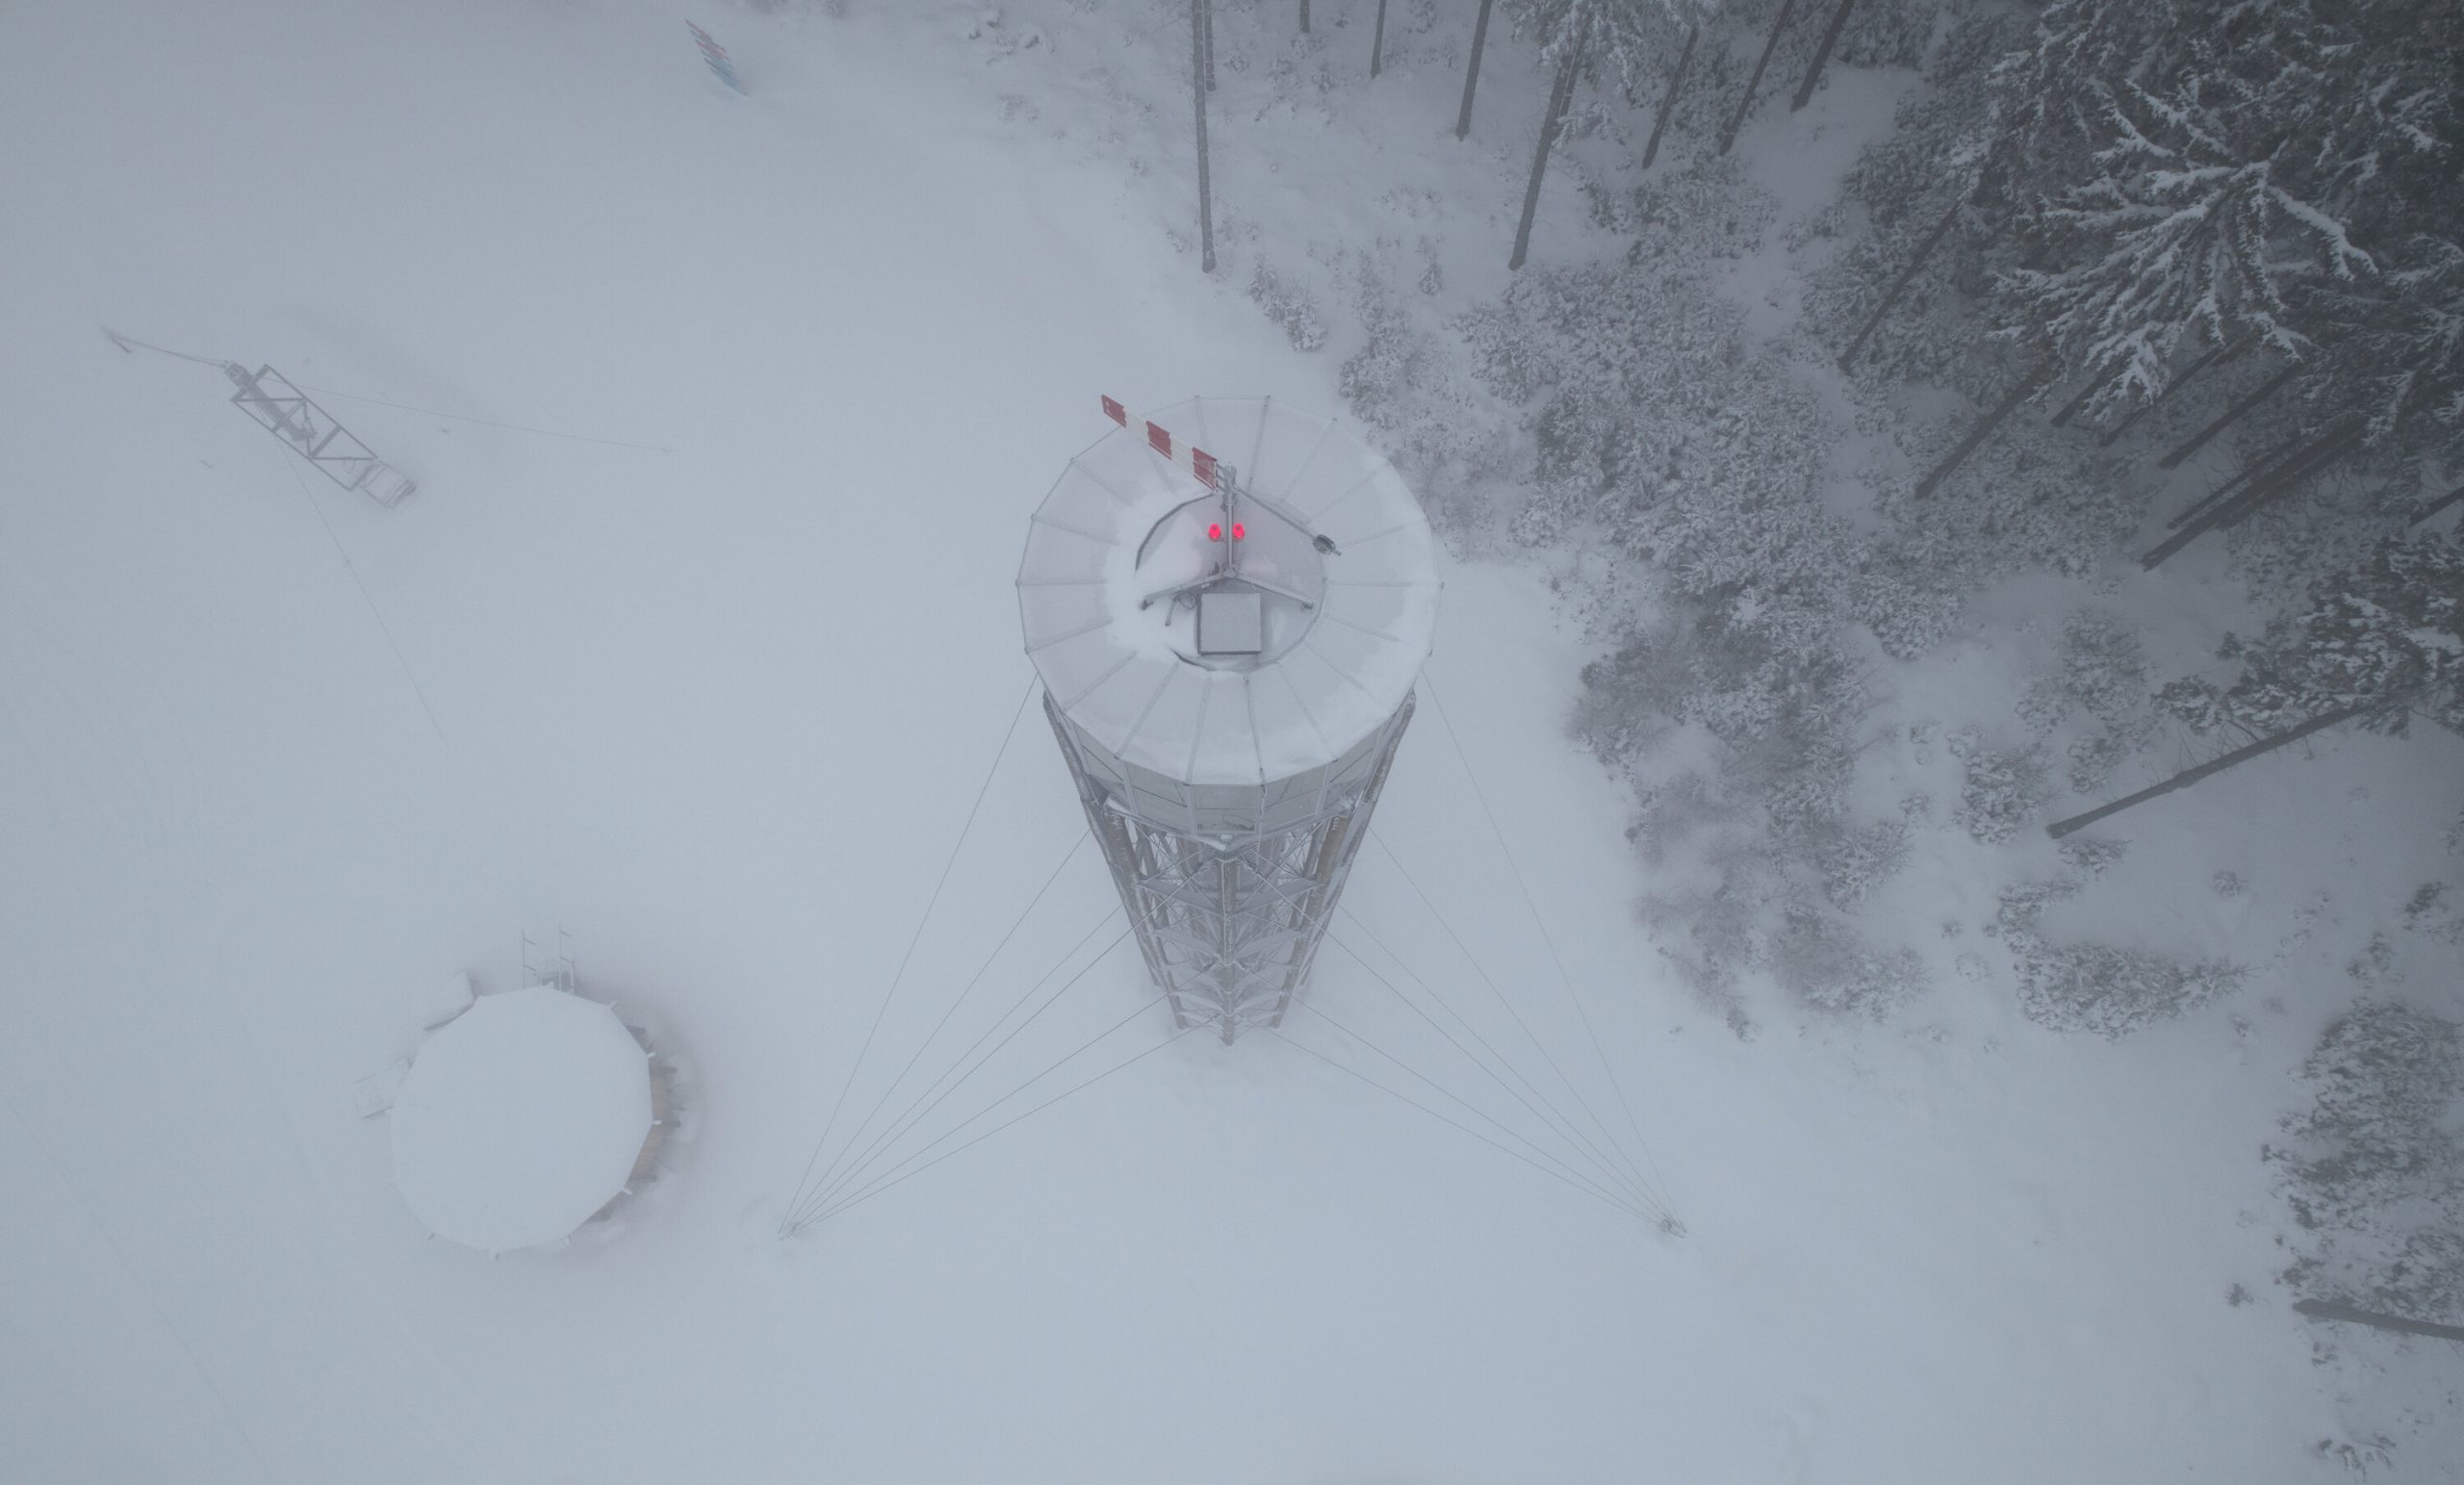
1229 605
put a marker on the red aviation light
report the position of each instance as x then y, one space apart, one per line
1215 531
1239 530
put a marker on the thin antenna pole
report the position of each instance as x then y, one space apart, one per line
1229 478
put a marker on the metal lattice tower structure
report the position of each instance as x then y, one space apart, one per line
1228 652
269 397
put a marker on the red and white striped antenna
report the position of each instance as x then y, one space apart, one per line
1201 465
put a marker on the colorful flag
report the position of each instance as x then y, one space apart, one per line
716 56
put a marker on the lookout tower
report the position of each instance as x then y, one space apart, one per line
1229 605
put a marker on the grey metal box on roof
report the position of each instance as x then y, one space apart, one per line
1231 622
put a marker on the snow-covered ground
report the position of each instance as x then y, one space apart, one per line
273 760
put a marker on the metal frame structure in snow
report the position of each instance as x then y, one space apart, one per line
282 409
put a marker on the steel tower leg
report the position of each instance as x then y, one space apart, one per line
1229 923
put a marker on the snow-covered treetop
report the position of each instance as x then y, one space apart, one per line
1627 38
2195 171
2389 633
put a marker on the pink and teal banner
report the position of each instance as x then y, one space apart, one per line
717 57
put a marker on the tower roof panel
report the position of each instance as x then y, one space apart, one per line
1320 528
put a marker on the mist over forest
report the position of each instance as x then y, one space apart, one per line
1914 927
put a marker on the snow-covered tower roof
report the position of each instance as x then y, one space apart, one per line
1153 661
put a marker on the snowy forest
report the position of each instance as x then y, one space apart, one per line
1953 516
2116 284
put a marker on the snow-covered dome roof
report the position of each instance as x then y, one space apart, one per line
1115 593
1222 662
521 1118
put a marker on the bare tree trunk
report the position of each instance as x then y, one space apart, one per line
1821 56
1899 286
2199 441
2279 482
1199 24
2336 1310
1377 39
2326 453
2265 463
1562 94
1745 105
2190 776
1210 45
1304 17
1471 72
1983 429
1668 104
2071 409
2455 496
2214 357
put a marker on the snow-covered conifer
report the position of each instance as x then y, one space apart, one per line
1623 41
2195 172
1910 186
2373 1169
2387 636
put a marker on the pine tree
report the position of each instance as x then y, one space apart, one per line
2178 243
2389 633
1914 185
1561 92
1606 40
2026 387
2195 172
1669 96
1584 40
2397 351
1754 84
1472 69
2380 645
1200 29
1821 57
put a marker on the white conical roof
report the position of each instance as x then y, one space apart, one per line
1333 668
